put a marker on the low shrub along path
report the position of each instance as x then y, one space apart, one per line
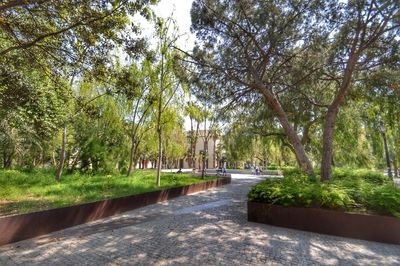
206 228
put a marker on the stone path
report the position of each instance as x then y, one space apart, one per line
207 228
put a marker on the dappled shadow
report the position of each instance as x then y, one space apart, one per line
21 227
205 228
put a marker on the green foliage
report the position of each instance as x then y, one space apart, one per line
295 192
384 199
272 167
349 190
26 191
370 176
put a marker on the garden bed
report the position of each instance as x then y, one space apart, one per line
355 203
24 226
37 190
361 226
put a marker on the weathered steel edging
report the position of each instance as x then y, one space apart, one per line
361 226
23 226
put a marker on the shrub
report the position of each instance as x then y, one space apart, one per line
272 167
359 190
368 175
294 173
295 192
384 199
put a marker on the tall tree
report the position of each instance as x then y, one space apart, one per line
164 82
249 47
364 39
134 85
271 48
193 111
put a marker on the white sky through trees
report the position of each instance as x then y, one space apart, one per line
179 10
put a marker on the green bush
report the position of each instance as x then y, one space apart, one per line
295 192
368 175
349 190
294 173
272 167
385 200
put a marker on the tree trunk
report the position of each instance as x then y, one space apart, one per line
395 169
293 138
159 157
387 155
330 119
214 154
132 157
62 154
205 148
327 145
7 160
53 157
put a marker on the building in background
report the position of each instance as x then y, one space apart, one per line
209 142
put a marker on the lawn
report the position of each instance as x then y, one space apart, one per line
22 192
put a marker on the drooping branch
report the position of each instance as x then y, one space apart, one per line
82 22
16 3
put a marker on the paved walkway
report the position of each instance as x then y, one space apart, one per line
206 228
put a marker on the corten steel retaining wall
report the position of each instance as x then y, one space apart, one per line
361 226
24 226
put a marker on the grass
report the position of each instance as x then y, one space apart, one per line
354 190
22 192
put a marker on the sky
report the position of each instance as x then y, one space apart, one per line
180 11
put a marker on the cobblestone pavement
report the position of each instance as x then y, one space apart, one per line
207 228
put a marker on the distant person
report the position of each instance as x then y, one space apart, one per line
257 170
224 169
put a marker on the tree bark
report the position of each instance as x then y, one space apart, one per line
8 161
131 159
62 154
387 155
293 138
196 137
205 153
159 164
327 144
53 157
395 169
330 119
133 150
159 133
205 147
214 154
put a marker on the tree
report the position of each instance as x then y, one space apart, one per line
193 111
249 47
163 80
64 40
364 40
272 48
31 108
57 28
98 131
134 85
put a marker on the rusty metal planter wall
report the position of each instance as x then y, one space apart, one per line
24 226
361 226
